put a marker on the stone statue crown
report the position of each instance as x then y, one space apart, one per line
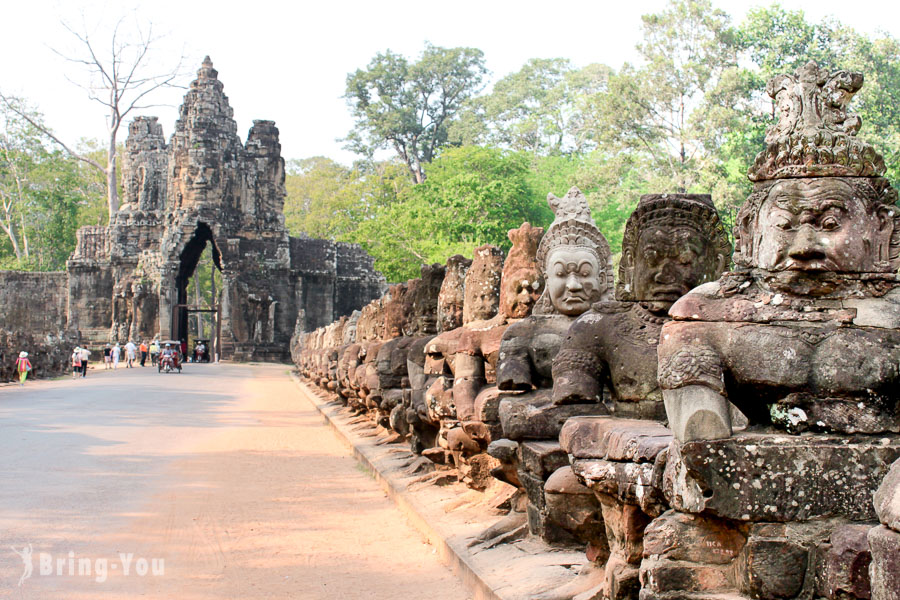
815 134
573 226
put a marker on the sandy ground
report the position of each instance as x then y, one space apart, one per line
224 473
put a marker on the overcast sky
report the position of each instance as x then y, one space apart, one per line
288 62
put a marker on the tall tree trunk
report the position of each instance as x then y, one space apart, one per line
24 237
212 284
11 234
197 302
112 187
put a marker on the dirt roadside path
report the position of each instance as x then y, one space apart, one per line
272 505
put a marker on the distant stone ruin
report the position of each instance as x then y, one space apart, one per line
129 280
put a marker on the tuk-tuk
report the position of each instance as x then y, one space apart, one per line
169 358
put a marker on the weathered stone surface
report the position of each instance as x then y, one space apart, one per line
771 569
629 483
451 296
884 545
693 538
33 303
542 420
887 498
809 269
573 507
770 477
672 243
614 439
677 581
542 458
845 572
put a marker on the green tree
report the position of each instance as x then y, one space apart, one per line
409 106
687 50
328 200
45 195
536 109
473 196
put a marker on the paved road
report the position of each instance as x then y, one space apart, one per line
222 478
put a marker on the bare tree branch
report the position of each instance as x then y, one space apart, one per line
50 135
121 87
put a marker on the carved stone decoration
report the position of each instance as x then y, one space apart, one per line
452 294
209 189
818 250
575 264
804 340
465 359
672 243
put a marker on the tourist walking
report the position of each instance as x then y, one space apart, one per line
130 351
116 353
143 349
154 352
85 358
107 357
23 366
76 362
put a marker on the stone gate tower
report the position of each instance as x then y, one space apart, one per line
130 279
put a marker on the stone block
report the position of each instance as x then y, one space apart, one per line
487 404
692 538
771 569
614 439
887 498
573 507
534 488
623 581
625 524
779 478
522 421
542 458
503 450
670 579
884 544
634 483
844 572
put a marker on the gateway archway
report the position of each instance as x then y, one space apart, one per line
184 307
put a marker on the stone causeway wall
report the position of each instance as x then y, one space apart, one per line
710 424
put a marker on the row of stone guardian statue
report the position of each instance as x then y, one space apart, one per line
703 433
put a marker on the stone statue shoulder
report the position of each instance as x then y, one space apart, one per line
689 306
882 311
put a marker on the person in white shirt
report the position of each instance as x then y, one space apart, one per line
130 354
85 357
116 354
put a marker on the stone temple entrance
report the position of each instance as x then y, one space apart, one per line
130 280
189 259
